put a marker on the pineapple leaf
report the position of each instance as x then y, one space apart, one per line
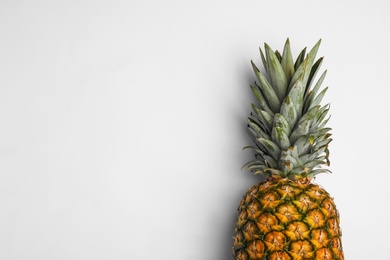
324 122
327 156
313 164
287 61
318 171
270 162
321 144
321 132
272 171
289 112
268 118
280 137
318 99
321 114
264 118
301 129
305 66
280 121
312 93
289 159
313 73
312 156
271 147
288 122
295 161
257 167
310 115
299 171
266 87
265 63
276 73
252 162
300 58
260 99
299 81
258 130
304 143
277 54
296 94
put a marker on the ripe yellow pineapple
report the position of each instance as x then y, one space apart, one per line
286 216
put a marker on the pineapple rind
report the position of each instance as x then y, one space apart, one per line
295 219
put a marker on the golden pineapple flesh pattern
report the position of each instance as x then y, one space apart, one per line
286 216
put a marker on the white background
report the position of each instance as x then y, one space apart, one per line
122 122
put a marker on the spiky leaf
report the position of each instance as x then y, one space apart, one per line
280 137
268 90
260 99
271 147
287 61
276 73
288 111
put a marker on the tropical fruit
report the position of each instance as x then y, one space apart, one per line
287 216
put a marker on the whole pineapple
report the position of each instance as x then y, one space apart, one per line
286 216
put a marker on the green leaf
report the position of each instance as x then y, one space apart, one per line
321 114
270 162
322 125
323 137
264 118
276 73
300 59
267 117
272 171
289 159
280 121
321 133
252 162
271 147
256 167
294 161
311 94
265 63
313 155
258 131
277 54
297 88
327 156
299 171
301 129
287 110
318 171
297 93
287 61
304 143
260 99
313 164
267 89
313 72
322 144
303 71
253 148
310 115
280 137
318 99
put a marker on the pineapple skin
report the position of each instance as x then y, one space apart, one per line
285 219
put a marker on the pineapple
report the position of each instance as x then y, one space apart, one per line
286 216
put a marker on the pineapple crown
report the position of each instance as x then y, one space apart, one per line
288 122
